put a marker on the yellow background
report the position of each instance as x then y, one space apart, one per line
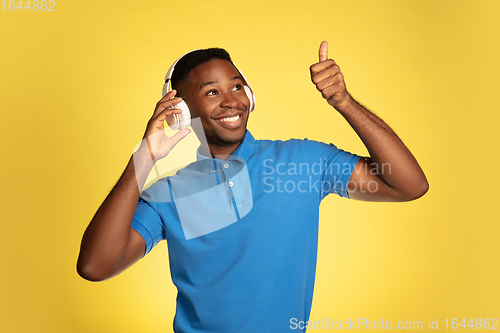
78 85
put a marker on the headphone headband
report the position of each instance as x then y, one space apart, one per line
168 77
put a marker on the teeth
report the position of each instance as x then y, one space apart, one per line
229 119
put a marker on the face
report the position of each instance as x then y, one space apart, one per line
214 93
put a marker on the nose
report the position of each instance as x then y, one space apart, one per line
229 101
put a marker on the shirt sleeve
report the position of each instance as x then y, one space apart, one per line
147 221
332 166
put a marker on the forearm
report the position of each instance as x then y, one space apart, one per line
106 238
391 159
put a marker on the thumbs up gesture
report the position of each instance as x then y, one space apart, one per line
328 78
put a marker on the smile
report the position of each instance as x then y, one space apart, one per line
229 119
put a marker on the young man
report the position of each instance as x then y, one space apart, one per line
241 223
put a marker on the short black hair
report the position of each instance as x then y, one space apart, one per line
194 59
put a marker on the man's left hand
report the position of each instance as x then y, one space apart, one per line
328 78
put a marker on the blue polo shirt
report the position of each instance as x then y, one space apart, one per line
242 233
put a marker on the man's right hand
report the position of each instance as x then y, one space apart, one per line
155 142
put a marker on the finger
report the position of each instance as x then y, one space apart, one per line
332 91
329 81
320 66
325 73
165 104
323 51
157 123
168 103
169 95
180 135
165 113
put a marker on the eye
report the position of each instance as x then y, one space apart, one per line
212 92
236 87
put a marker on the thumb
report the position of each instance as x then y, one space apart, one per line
323 51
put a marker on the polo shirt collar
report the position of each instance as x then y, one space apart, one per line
242 153
245 148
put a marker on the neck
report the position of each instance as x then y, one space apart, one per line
218 151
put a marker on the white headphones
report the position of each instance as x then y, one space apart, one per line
183 120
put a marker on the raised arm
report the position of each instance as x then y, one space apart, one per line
109 244
391 173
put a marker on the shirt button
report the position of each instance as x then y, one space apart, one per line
230 184
226 165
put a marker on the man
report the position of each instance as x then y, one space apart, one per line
241 222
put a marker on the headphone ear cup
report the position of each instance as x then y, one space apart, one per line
178 121
185 116
173 120
251 97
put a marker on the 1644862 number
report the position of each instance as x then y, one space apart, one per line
30 5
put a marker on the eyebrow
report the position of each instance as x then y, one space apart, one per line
215 82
